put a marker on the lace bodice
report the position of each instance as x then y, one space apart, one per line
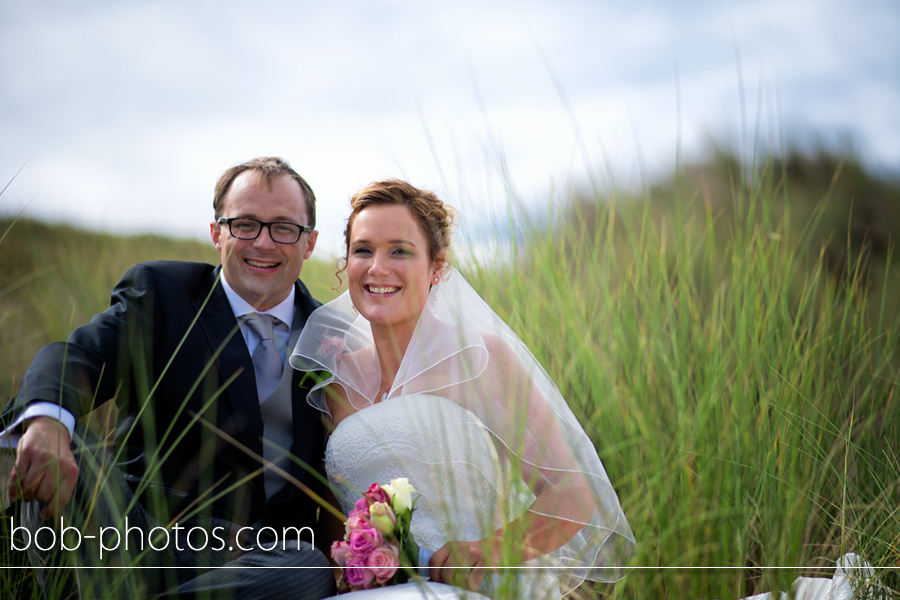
441 447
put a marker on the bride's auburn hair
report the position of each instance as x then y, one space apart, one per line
435 218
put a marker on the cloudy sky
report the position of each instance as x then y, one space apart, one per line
125 113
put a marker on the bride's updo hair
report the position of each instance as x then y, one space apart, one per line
435 218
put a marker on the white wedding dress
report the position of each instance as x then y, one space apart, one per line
469 408
450 460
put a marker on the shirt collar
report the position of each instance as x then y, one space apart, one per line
283 311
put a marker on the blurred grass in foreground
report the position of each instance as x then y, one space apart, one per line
54 278
729 345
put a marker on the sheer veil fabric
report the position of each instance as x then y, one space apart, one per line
461 350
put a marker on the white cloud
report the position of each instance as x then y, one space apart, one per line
132 110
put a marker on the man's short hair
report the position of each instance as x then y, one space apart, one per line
270 168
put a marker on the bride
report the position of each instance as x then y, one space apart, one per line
423 380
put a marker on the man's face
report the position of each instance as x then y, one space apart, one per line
262 271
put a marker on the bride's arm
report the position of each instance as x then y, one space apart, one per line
562 491
532 535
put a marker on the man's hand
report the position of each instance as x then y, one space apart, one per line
45 469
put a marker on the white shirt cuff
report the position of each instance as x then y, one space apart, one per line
8 439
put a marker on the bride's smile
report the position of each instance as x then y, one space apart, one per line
389 267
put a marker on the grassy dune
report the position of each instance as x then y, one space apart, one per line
729 341
55 278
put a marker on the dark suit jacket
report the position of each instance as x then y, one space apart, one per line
170 351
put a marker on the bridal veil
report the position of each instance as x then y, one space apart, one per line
463 351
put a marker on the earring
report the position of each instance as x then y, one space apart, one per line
435 280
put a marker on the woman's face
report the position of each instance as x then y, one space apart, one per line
388 267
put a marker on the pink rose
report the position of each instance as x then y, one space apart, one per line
376 493
331 346
384 562
339 552
364 539
357 574
362 506
359 513
355 521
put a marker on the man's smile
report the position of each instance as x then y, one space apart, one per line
261 264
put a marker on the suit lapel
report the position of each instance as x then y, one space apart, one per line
221 329
306 425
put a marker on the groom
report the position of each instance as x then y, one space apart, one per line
213 431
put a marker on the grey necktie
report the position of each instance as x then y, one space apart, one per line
266 361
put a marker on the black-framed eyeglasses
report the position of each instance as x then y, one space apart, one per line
281 232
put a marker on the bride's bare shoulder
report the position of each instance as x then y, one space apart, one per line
338 403
341 396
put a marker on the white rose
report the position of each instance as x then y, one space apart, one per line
400 493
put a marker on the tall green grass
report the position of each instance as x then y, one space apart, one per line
742 394
739 383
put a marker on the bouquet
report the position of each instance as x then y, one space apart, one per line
378 548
